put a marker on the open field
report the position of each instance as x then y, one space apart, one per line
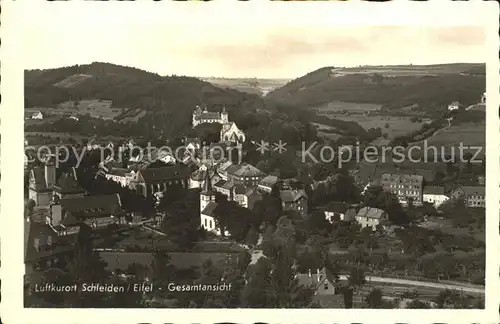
414 70
256 86
94 108
326 131
397 125
72 81
470 134
48 138
351 107
29 122
447 227
131 116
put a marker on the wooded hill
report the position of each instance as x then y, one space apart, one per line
390 86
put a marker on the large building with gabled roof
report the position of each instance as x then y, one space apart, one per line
43 185
67 214
150 181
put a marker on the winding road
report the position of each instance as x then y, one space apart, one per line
436 285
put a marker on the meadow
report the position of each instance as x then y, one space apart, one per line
470 134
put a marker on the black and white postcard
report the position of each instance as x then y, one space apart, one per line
226 157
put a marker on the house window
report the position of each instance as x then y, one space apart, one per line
205 222
210 225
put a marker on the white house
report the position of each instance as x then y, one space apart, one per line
121 176
434 195
266 184
455 105
369 216
37 115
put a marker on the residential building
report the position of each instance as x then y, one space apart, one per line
197 178
121 176
226 188
222 168
37 115
43 249
341 210
192 144
67 214
473 196
246 197
245 174
43 185
455 105
405 186
294 200
149 181
321 281
67 186
434 195
267 184
369 216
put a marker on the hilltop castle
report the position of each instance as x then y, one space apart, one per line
204 116
229 131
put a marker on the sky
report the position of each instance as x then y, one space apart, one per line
213 44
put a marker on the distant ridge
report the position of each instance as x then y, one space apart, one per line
390 86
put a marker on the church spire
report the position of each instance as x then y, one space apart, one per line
207 185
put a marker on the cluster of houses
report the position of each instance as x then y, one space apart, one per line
61 204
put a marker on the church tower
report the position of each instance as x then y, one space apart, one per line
224 116
196 116
207 194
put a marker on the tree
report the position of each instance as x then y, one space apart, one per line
84 267
273 284
30 206
173 194
162 273
222 212
252 236
418 304
313 254
318 223
244 259
356 277
450 299
268 210
374 299
181 224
